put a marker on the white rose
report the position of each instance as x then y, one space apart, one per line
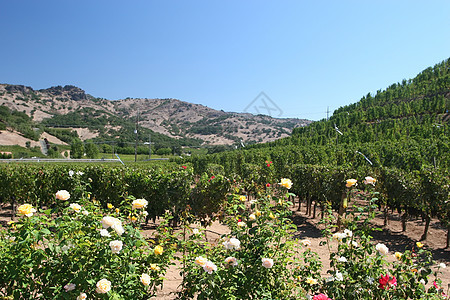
382 249
241 224
348 233
70 287
103 286
235 243
306 243
339 236
116 246
145 279
118 228
209 267
108 222
82 296
232 244
104 232
342 259
62 195
370 180
267 262
232 261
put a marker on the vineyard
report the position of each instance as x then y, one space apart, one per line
400 136
85 238
77 230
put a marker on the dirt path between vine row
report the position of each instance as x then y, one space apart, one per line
309 228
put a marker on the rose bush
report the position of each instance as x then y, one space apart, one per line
81 253
257 260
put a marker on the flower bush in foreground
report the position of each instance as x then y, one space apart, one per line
360 270
80 255
260 259
257 260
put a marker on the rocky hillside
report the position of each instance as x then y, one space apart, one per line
71 107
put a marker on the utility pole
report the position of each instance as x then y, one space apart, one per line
328 111
136 132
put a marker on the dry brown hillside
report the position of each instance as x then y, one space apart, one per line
171 117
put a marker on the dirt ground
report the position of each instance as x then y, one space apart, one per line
308 228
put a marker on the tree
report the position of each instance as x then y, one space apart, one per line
91 150
77 148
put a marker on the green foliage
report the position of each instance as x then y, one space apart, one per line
167 187
19 121
257 260
77 148
64 256
65 135
19 151
91 150
164 151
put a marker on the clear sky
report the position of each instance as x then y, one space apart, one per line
304 55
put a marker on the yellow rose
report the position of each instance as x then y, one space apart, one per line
398 255
311 280
110 206
287 183
242 198
117 210
158 250
200 260
26 210
76 207
139 203
351 182
257 213
419 244
154 267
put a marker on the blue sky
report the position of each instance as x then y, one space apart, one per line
304 55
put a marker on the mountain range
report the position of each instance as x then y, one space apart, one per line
168 121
